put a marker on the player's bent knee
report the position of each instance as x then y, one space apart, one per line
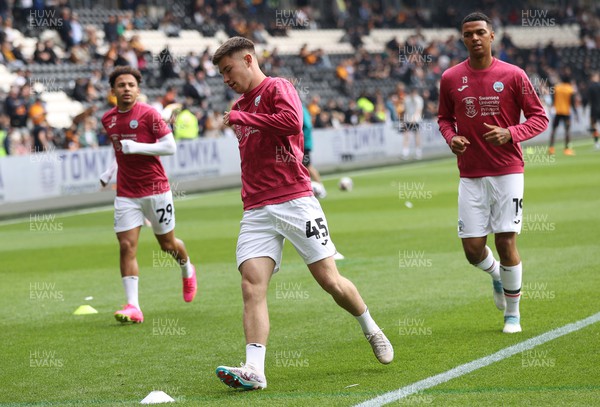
474 255
127 247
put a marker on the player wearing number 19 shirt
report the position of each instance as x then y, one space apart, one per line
481 100
278 205
139 136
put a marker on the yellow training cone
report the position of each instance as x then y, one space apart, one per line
85 310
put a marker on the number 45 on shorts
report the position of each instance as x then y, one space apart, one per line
318 229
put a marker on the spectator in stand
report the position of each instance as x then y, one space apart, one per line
192 62
314 107
91 42
169 98
366 105
169 25
112 29
399 100
43 138
89 135
127 53
345 72
168 68
27 94
20 141
196 88
65 30
11 34
127 20
79 91
352 114
185 126
16 108
306 56
37 112
79 55
44 53
321 59
323 120
214 126
207 65
41 131
273 61
380 68
140 20
11 54
257 32
76 29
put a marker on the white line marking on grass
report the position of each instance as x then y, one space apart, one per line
479 363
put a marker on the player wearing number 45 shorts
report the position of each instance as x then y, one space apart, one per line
278 205
139 136
481 100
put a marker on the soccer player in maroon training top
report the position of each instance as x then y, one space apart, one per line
480 106
278 205
139 136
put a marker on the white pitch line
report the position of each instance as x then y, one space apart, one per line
479 363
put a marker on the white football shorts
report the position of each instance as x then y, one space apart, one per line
158 209
302 221
490 205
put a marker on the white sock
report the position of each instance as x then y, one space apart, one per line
511 281
367 323
255 356
130 284
490 265
186 269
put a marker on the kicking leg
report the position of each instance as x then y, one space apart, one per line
346 295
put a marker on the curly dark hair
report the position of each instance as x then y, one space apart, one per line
124 70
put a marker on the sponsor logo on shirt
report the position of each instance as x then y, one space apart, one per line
463 88
244 131
470 109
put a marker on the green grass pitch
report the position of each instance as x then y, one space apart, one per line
407 263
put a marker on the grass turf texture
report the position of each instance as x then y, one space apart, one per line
408 264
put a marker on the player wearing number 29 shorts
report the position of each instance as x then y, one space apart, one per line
139 136
480 107
278 205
